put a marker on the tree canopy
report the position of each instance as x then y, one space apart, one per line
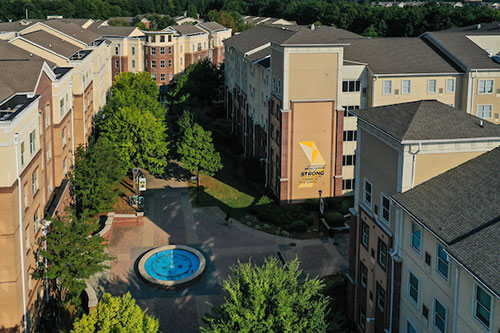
116 314
269 298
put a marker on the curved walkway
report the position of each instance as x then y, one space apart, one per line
170 219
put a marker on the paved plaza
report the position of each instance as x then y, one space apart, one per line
170 219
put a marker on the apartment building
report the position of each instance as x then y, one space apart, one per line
66 44
400 146
36 145
449 248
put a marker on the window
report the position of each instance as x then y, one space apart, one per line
450 86
153 50
362 316
442 262
170 50
485 86
49 186
413 287
199 57
117 63
133 63
406 87
410 328
117 50
365 234
47 116
416 237
133 50
351 86
425 312
170 76
199 46
386 208
64 167
439 316
22 153
170 63
153 63
348 160
63 137
482 306
153 38
25 191
193 47
348 184
348 108
162 39
363 271
181 61
61 106
48 152
349 135
431 86
153 76
484 111
387 87
34 182
162 50
368 193
32 142
36 221
380 298
162 64
382 254
162 77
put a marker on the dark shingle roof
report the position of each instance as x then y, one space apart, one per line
188 29
212 26
111 31
259 54
484 28
465 50
258 36
400 55
18 25
321 35
426 120
462 207
74 30
12 72
51 42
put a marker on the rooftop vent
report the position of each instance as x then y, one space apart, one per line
481 123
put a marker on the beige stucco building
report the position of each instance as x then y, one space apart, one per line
399 147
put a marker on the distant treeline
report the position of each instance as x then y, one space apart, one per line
354 16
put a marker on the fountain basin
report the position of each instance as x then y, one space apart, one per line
171 266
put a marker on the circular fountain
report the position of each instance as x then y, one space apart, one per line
171 266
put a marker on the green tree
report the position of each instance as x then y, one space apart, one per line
192 11
269 299
95 174
139 137
72 257
116 314
197 151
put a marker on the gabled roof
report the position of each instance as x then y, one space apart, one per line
464 49
51 42
17 25
212 26
74 30
265 52
481 29
399 55
111 31
462 207
18 76
426 120
258 36
320 35
188 29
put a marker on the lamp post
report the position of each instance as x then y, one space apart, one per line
321 204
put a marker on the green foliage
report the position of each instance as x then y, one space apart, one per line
197 151
118 23
192 11
264 200
116 314
312 205
97 170
298 226
269 298
159 22
334 218
72 256
134 121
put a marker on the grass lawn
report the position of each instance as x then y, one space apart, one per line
228 189
126 189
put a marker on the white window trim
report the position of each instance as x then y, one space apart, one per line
381 214
417 303
411 323
385 299
418 251
383 87
363 234
402 88
473 307
360 279
454 86
428 86
483 105
447 279
485 93
370 205
434 298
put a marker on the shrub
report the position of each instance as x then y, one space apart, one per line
334 218
298 226
258 227
266 226
253 170
264 200
346 204
284 233
312 205
309 220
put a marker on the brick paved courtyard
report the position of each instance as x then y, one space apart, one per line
170 219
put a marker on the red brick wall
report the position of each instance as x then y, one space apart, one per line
218 55
158 58
119 64
191 58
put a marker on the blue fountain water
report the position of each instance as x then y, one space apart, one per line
171 265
